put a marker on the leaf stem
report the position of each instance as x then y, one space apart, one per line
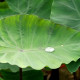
21 74
55 74
2 0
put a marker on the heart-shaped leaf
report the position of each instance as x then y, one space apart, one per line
24 39
66 12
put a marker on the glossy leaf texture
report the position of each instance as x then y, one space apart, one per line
66 12
24 38
73 66
41 8
27 75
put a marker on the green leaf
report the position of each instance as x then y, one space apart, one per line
73 66
42 8
1 78
66 12
24 38
13 68
3 5
28 75
45 10
6 66
6 12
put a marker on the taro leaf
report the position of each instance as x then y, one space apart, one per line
42 8
3 5
5 11
5 66
73 66
45 10
66 12
13 68
23 39
28 75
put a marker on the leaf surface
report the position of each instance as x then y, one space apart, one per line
5 11
66 12
41 8
73 66
3 5
12 68
24 38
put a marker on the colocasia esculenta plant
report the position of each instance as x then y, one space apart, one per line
38 33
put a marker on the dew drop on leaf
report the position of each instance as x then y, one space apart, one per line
49 49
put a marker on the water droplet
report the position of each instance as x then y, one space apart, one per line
49 49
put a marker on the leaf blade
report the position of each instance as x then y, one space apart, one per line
27 45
